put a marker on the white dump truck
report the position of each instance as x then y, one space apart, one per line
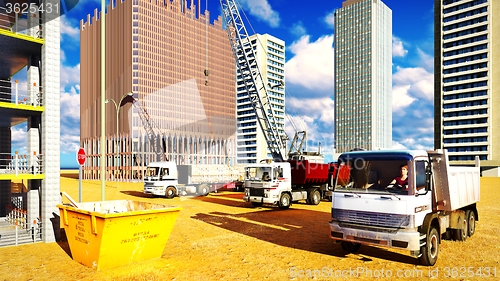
438 201
168 179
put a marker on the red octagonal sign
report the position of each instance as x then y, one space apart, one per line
81 157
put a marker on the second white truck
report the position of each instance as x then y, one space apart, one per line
167 179
439 201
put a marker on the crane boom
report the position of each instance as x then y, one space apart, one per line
246 62
150 128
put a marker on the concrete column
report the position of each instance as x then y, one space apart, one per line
33 202
50 137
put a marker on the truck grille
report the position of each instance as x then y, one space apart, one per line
371 218
256 192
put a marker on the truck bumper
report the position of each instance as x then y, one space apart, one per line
409 240
259 199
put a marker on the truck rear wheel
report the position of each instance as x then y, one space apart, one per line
461 233
350 247
471 221
203 190
285 201
429 251
170 192
314 197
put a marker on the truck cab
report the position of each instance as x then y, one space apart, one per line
268 183
161 179
368 209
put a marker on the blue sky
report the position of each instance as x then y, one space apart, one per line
307 29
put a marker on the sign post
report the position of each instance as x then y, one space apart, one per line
80 158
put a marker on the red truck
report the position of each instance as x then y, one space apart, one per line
281 183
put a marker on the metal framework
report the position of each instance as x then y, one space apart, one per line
244 55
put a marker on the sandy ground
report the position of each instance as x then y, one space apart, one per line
220 237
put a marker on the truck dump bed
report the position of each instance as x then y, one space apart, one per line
304 172
456 187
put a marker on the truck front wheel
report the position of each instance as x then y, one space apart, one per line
170 192
429 251
350 247
285 201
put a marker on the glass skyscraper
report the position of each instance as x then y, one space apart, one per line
363 75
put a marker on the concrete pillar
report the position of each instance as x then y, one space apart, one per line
33 202
50 135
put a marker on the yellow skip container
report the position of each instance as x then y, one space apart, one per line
109 234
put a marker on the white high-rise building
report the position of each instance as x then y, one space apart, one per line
465 77
270 54
363 75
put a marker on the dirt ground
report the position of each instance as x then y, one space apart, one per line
220 237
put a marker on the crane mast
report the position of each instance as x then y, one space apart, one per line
253 81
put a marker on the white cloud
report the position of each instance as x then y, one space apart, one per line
400 97
18 133
70 120
70 75
316 117
70 104
312 63
298 29
262 11
398 49
69 29
427 60
419 80
330 19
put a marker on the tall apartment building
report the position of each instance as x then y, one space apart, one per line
270 54
363 75
158 51
466 77
30 169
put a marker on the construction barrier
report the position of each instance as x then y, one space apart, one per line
109 234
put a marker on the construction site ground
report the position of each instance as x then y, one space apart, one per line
220 237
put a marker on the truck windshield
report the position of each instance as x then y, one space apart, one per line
258 173
152 171
374 176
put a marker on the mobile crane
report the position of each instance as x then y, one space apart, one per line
284 180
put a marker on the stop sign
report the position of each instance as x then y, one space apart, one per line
81 157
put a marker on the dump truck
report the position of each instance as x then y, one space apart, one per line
438 202
281 183
166 178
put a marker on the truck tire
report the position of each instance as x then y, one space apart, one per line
257 204
285 201
170 192
313 196
203 190
461 233
471 222
350 247
430 250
